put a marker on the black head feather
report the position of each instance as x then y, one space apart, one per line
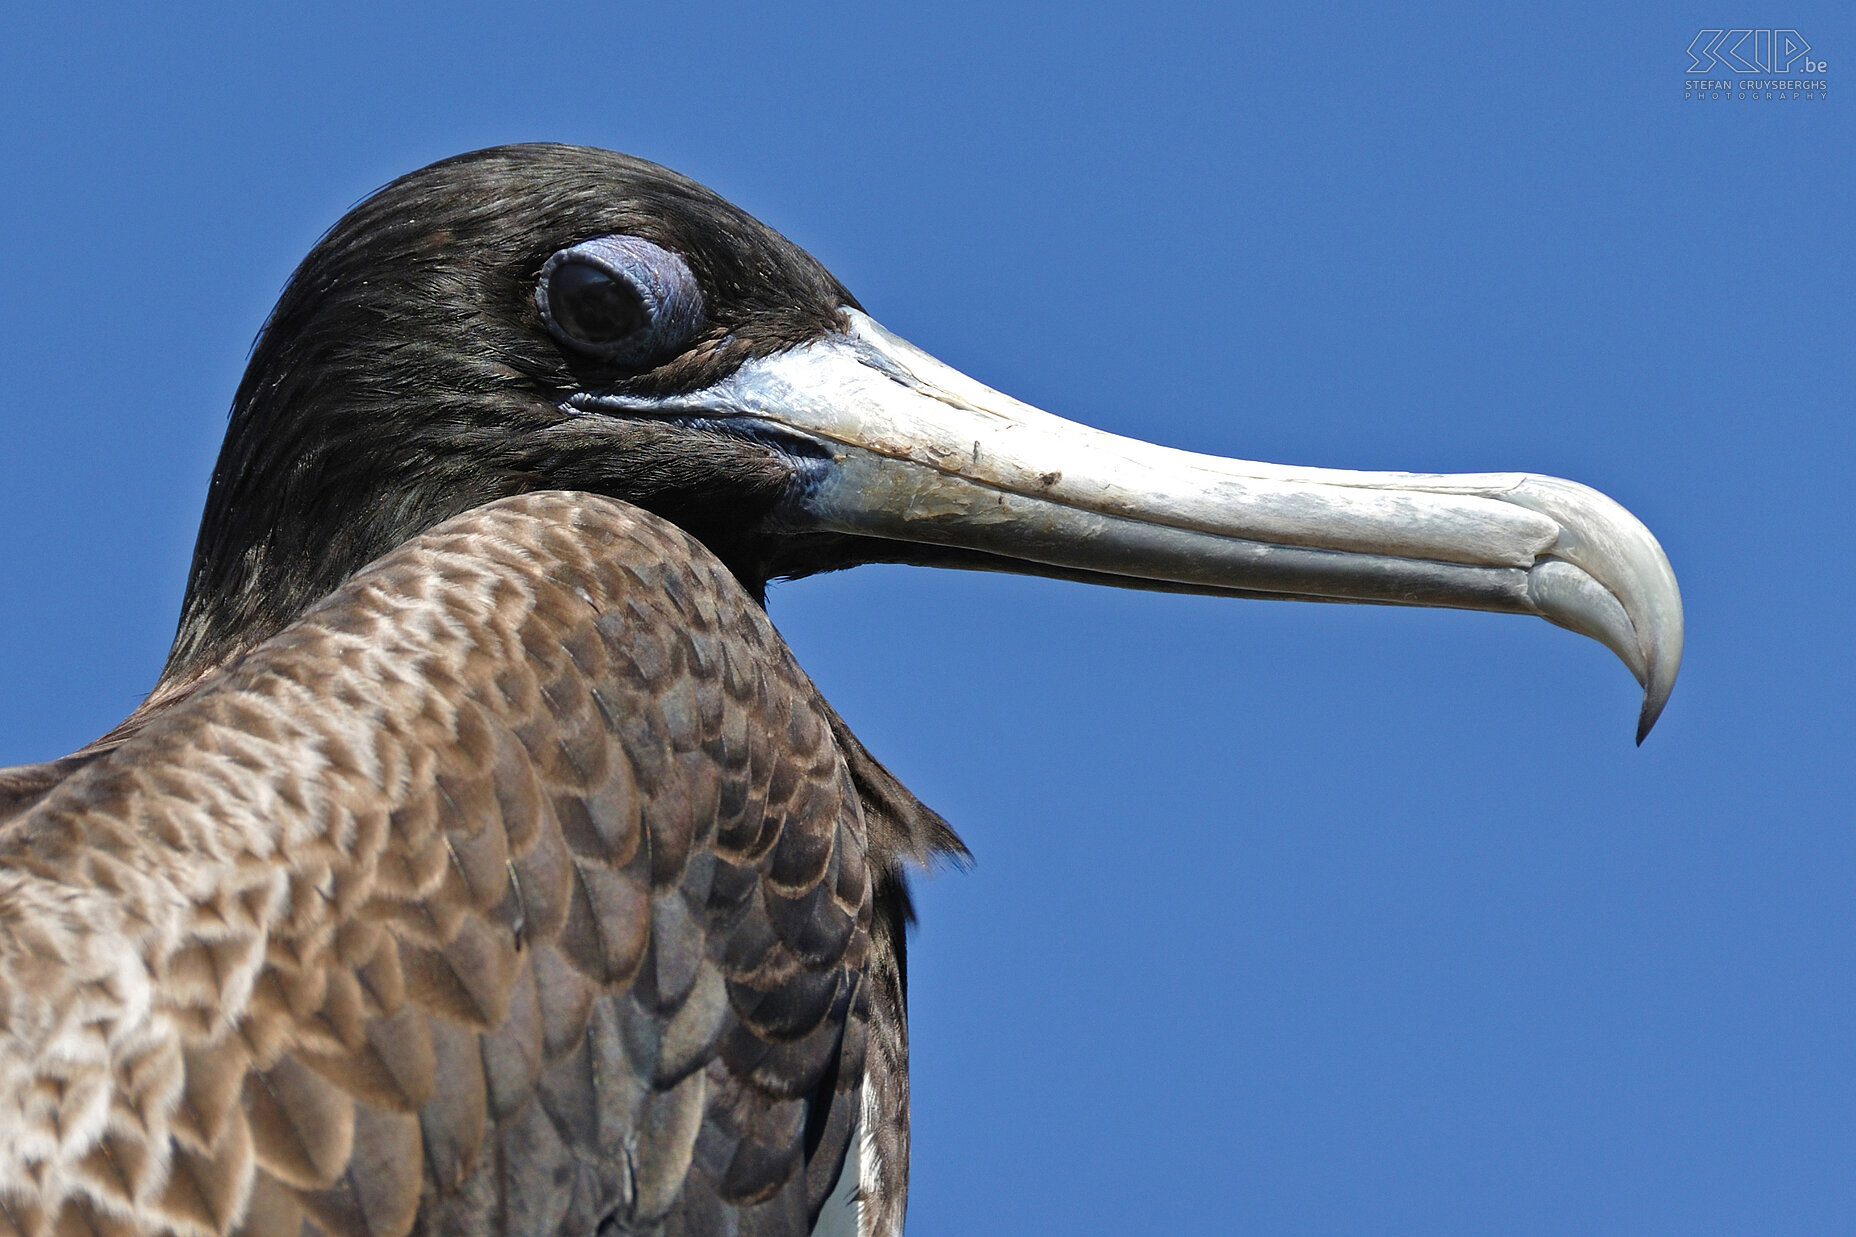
406 375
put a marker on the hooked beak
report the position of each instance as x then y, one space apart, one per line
912 450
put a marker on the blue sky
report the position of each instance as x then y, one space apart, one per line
1287 919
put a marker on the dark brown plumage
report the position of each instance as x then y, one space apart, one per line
522 885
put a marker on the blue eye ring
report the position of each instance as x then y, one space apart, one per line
621 299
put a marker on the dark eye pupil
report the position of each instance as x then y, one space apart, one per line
592 306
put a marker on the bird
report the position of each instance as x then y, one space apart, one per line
482 861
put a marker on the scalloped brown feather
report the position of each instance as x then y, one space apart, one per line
523 885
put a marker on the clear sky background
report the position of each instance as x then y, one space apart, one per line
1287 919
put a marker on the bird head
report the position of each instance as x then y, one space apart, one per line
554 317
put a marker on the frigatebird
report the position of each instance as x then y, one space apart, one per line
481 861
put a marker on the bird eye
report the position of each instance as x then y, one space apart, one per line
619 298
591 307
